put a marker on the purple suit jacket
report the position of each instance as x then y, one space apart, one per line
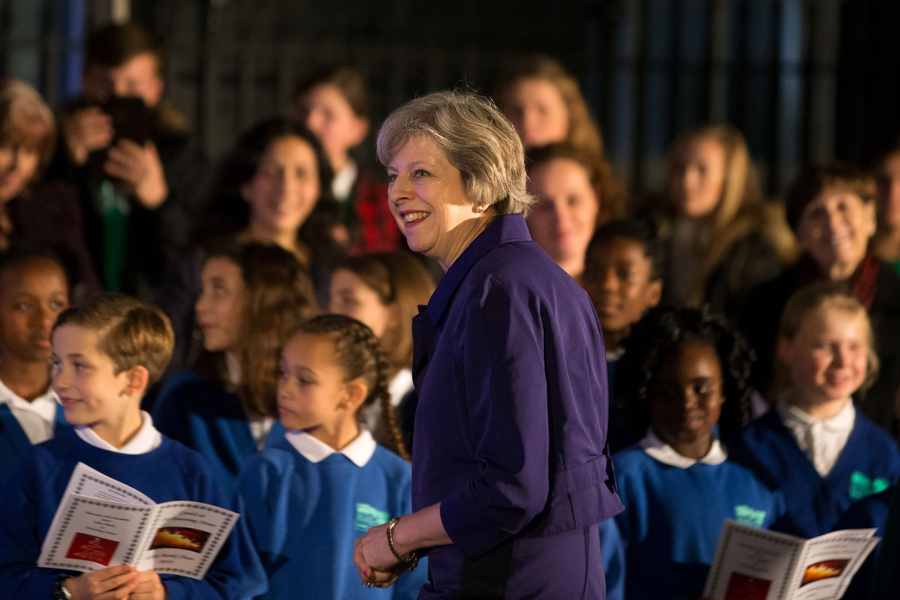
510 431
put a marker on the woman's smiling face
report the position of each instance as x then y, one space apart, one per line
835 229
428 200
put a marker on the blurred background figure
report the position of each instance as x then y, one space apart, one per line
274 187
576 193
545 105
254 296
886 242
384 291
721 239
334 105
39 214
130 154
832 210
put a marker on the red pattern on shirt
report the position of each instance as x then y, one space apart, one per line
376 229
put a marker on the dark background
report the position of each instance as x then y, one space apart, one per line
806 80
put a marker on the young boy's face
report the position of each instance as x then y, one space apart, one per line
137 77
32 294
85 378
620 282
327 113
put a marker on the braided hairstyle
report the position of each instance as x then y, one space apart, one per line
655 336
358 351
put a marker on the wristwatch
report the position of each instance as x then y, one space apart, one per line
60 592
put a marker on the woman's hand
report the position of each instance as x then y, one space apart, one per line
374 561
372 555
113 583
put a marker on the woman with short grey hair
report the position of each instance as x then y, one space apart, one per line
511 472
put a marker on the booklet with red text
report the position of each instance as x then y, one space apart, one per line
755 564
103 523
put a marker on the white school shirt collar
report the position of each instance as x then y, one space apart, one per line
148 438
44 407
665 454
343 181
821 440
400 385
793 416
359 451
614 355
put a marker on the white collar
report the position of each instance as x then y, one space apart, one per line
343 181
793 417
400 385
44 405
665 454
614 355
233 369
148 438
359 451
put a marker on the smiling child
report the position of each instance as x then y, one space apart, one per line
105 355
623 270
690 371
814 444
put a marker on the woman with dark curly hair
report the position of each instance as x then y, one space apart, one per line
687 374
273 188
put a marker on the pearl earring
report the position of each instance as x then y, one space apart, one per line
479 209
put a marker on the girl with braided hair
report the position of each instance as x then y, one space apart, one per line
308 496
686 374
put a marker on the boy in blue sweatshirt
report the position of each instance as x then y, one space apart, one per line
105 355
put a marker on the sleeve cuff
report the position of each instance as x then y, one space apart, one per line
470 529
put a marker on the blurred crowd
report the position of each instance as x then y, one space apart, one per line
753 343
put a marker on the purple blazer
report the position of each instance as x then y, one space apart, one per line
510 431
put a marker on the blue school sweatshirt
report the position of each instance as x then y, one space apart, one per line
673 517
869 513
869 463
35 488
206 418
304 518
14 441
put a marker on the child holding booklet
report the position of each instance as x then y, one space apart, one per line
33 291
105 355
813 444
309 496
688 371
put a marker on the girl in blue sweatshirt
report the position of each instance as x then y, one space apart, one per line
308 496
686 373
813 444
253 296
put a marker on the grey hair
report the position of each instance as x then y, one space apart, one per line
476 139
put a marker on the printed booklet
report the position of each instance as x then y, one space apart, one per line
755 564
103 523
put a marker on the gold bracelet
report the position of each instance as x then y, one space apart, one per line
411 561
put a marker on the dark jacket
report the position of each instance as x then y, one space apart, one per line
761 314
50 217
